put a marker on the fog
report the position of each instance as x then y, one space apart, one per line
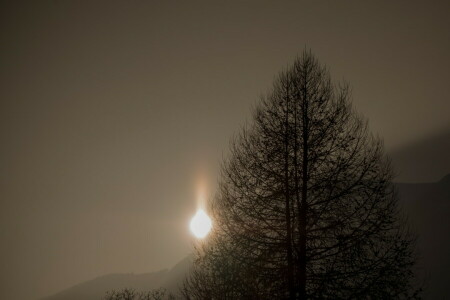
114 116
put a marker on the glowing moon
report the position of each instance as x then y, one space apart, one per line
200 224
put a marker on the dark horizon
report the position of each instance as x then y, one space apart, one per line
115 116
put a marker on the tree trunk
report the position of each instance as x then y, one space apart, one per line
304 203
290 264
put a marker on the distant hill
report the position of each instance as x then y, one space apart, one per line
426 204
424 160
428 208
96 288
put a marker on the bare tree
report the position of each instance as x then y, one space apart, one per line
306 208
131 294
124 294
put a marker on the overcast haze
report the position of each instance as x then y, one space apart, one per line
115 115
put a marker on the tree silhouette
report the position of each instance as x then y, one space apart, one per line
131 294
306 208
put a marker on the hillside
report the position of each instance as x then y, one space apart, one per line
428 208
418 162
95 289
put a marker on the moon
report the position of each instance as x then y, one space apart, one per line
200 224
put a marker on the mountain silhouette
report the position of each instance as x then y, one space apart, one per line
427 206
95 289
425 160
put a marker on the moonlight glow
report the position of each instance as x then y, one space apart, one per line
200 224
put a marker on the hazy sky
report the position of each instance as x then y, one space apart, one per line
114 115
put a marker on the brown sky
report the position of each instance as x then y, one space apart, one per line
113 114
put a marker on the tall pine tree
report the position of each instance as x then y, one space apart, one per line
306 208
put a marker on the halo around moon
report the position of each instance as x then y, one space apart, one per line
200 224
